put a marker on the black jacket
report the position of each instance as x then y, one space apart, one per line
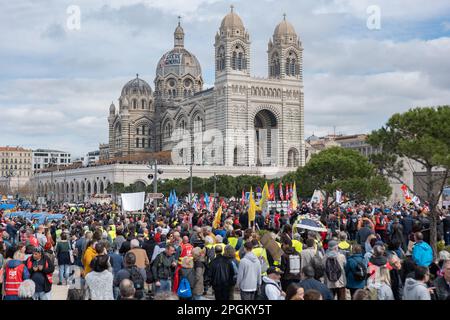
442 289
221 272
312 283
446 224
149 247
407 223
396 284
286 267
362 235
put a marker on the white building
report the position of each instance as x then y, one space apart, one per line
42 158
252 121
80 184
91 157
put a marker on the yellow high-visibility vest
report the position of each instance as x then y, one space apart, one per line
298 246
261 252
232 241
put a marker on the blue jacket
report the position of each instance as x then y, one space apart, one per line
422 254
351 265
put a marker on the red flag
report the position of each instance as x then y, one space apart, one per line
287 192
243 197
281 191
202 202
272 192
222 203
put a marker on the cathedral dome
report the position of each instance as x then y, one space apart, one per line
232 21
179 62
284 28
137 86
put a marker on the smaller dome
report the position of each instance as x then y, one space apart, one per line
179 30
284 28
232 21
125 102
112 108
137 86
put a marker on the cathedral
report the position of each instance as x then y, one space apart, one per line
249 121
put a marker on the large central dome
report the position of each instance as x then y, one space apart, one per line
180 62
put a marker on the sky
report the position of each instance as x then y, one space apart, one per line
57 82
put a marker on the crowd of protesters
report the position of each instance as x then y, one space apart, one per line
369 252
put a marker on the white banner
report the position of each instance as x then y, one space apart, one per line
317 196
133 201
338 197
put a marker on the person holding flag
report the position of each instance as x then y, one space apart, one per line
264 198
294 200
251 209
272 192
287 192
243 198
281 191
217 218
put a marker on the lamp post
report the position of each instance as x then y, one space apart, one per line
52 161
154 176
215 187
190 184
9 174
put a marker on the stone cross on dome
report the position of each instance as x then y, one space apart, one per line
231 7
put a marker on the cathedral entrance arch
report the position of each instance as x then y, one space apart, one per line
266 125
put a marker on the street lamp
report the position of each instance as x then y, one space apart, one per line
155 179
52 161
190 184
9 174
215 187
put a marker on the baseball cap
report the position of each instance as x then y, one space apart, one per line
274 270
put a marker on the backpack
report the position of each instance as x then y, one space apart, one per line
184 289
261 294
333 270
294 264
359 272
137 279
317 264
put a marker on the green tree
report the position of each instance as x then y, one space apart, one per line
423 135
338 168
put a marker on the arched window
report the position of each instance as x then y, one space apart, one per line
134 104
143 104
288 63
220 59
238 61
168 130
233 60
275 65
137 131
143 129
137 142
148 146
292 68
198 124
143 142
